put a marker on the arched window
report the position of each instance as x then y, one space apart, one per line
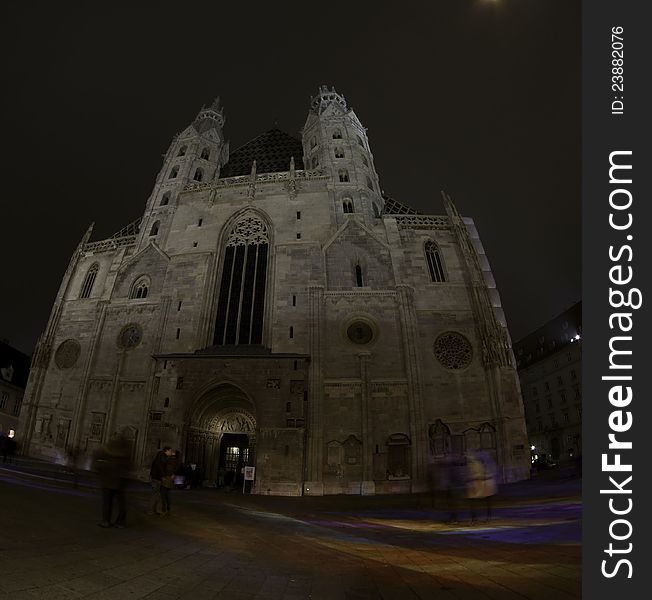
174 172
435 265
398 456
182 151
440 438
313 142
205 153
347 205
376 210
315 162
344 175
358 276
339 153
199 174
487 436
154 230
364 160
165 200
337 134
241 300
369 184
140 288
360 140
89 280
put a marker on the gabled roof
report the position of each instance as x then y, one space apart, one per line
272 152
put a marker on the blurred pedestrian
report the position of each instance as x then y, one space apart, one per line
453 480
167 481
481 482
8 448
157 472
112 465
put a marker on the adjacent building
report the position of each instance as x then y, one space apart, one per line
14 371
549 364
273 308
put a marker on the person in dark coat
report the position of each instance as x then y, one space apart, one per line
112 464
167 481
157 473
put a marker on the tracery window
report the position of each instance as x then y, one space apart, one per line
241 301
337 134
165 200
182 151
344 175
339 153
140 288
347 205
89 280
205 153
155 227
435 264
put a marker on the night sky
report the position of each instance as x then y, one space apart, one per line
479 98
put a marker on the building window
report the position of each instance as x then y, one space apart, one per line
313 142
166 402
315 162
154 230
370 185
89 280
291 332
199 223
97 427
241 300
573 374
174 172
140 288
358 276
347 205
205 153
339 153
359 140
337 134
294 300
199 174
566 418
298 236
179 383
344 175
178 333
435 264
182 151
563 398
4 398
165 200
179 305
298 215
376 210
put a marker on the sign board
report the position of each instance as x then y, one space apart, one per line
249 473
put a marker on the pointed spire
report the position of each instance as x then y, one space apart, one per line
325 97
87 235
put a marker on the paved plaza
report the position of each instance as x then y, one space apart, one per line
229 546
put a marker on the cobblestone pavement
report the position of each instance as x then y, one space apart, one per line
229 546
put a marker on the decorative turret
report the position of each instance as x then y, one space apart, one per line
335 141
195 155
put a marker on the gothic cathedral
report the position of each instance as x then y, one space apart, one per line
273 308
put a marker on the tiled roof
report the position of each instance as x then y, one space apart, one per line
271 151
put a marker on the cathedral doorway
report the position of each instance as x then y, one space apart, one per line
221 436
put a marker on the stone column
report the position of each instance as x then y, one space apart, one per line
415 401
367 486
313 484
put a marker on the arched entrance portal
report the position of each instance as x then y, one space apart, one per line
221 435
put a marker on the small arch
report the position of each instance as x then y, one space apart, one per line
205 153
154 230
339 153
199 174
337 134
435 263
376 210
344 175
165 200
89 280
313 142
174 172
315 162
370 185
140 288
182 151
347 205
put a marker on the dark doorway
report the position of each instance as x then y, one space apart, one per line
234 455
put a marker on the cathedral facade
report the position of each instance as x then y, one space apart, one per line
273 308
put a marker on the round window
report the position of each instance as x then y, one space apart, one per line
130 336
360 332
453 350
67 354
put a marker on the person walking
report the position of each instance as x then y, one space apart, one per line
481 482
156 473
167 481
112 465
